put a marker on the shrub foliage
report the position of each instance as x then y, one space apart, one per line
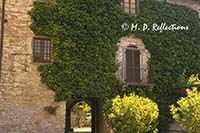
187 113
133 114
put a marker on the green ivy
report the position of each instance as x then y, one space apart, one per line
85 34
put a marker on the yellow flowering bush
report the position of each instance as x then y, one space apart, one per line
82 110
133 114
187 113
194 79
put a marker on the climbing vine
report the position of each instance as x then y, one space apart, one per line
85 34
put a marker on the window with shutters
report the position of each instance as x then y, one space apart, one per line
41 50
132 65
130 6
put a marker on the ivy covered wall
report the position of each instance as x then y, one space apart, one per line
85 34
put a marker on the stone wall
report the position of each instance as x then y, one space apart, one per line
22 96
0 15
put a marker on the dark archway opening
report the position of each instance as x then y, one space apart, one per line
70 104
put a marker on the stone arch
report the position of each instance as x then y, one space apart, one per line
123 44
92 102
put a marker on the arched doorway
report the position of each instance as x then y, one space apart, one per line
70 104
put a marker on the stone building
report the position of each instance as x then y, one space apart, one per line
26 103
24 100
22 96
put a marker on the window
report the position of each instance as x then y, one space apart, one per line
41 50
133 60
130 6
132 65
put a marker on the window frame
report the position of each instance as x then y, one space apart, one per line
125 68
42 58
129 8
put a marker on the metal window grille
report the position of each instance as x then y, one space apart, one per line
41 50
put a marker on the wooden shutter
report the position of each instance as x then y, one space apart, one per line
129 65
132 65
136 65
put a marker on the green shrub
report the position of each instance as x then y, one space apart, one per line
187 114
51 109
133 114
